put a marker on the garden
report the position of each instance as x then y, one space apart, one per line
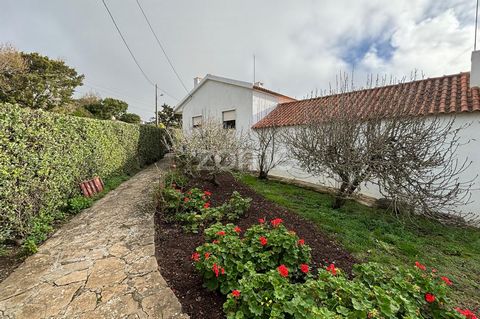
231 245
227 251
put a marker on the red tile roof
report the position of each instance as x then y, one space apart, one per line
443 95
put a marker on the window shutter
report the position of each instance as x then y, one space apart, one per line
229 116
197 120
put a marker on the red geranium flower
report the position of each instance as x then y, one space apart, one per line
429 297
263 241
186 199
420 266
261 220
304 268
236 293
196 256
276 222
237 229
446 280
223 271
467 313
283 270
221 233
206 205
215 270
301 242
216 241
207 193
207 255
331 268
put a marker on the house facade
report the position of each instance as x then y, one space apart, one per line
450 97
254 107
237 104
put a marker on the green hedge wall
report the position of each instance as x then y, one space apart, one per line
44 156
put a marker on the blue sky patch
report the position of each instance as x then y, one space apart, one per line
354 52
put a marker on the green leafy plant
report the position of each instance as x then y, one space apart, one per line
266 274
193 208
78 203
262 248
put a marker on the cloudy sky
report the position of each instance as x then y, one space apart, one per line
300 45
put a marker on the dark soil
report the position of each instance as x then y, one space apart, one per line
10 259
174 247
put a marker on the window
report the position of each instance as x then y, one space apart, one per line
229 119
197 121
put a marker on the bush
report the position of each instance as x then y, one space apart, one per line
193 209
261 249
78 203
266 274
44 156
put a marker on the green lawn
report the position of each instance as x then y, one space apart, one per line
372 234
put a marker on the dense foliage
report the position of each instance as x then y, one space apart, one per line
168 117
107 109
193 209
36 81
267 273
376 235
44 156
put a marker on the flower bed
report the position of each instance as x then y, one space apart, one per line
266 273
263 270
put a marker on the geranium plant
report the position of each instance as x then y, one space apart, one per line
266 272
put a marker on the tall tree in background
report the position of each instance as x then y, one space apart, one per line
168 117
12 65
107 108
130 118
43 83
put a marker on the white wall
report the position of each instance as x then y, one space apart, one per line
213 98
471 151
263 103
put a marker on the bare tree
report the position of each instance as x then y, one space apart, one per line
210 147
266 143
410 157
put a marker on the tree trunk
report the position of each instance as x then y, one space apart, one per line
262 175
213 179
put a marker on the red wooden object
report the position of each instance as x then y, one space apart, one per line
91 187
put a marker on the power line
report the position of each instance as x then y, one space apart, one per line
126 44
131 53
161 46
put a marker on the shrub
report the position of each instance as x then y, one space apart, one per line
78 203
266 274
261 249
44 156
193 209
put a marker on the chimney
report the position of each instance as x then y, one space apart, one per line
475 72
196 81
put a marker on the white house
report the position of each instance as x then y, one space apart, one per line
236 103
253 107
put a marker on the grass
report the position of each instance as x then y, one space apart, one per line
372 234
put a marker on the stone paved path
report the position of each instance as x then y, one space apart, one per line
101 264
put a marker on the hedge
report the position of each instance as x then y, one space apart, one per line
44 156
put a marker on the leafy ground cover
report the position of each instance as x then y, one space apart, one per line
13 255
375 235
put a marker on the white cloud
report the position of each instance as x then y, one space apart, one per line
299 44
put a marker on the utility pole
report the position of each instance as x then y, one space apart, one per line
156 106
